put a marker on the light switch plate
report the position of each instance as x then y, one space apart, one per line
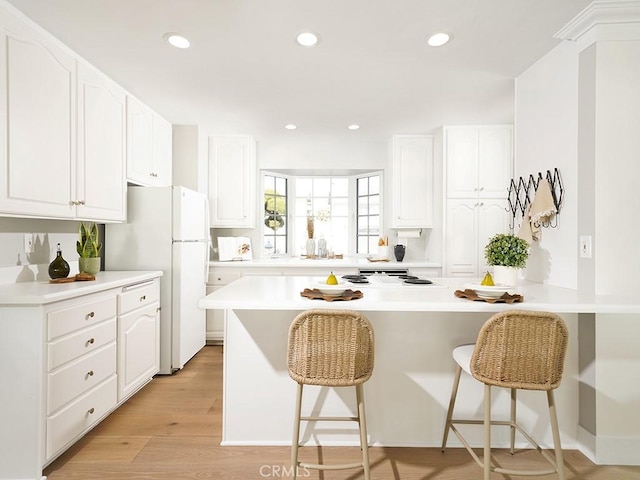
28 243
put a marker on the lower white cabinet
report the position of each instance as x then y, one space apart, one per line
215 318
71 362
138 337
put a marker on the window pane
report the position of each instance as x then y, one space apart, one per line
374 205
374 185
363 186
303 187
340 207
340 187
321 187
281 186
363 205
301 207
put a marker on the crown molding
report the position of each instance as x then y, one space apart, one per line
603 20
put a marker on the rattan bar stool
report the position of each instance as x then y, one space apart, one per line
332 348
516 350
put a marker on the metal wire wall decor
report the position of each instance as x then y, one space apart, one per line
523 191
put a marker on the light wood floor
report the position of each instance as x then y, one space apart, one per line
171 430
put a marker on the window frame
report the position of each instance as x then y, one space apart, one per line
352 205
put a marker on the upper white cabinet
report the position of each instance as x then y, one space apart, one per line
478 164
62 131
232 181
101 147
412 181
148 146
38 118
478 161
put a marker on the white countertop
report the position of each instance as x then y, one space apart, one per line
283 293
301 262
35 293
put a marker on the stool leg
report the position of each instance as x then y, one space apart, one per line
452 402
362 424
295 443
486 460
553 417
513 419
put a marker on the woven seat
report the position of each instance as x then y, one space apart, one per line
515 350
331 348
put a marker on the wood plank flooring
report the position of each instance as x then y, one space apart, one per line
172 428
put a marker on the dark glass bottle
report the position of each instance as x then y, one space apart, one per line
59 268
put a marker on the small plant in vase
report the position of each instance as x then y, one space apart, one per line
88 247
311 243
506 253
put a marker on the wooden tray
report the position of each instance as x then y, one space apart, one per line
81 277
316 294
472 295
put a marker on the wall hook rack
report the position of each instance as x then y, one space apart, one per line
522 192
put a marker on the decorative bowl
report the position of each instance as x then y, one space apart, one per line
333 290
486 291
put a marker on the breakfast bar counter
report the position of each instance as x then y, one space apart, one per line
416 327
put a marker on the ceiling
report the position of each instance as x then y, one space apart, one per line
244 73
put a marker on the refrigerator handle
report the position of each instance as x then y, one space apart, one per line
207 224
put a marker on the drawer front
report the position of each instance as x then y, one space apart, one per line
77 377
77 417
137 296
70 347
222 278
67 320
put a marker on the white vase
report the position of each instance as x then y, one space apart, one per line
311 248
505 275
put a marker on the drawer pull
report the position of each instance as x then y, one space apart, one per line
89 373
142 298
90 314
90 342
91 410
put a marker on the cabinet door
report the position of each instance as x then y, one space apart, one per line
232 181
101 147
412 177
461 238
37 124
461 159
138 348
161 153
495 164
139 142
492 218
215 321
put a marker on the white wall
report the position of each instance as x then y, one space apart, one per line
546 132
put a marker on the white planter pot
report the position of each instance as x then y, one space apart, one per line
505 275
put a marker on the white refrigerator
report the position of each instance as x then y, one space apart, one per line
167 229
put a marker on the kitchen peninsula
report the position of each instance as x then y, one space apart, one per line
416 327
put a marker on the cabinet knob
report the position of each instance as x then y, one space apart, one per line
90 342
91 410
89 373
90 314
481 188
143 297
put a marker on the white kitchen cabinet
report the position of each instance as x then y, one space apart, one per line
218 278
232 181
52 102
81 347
412 181
148 146
469 225
478 160
101 182
65 368
38 112
138 336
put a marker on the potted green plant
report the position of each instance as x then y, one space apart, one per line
88 247
506 253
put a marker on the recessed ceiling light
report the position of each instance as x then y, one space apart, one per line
353 126
290 126
307 39
439 39
176 40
